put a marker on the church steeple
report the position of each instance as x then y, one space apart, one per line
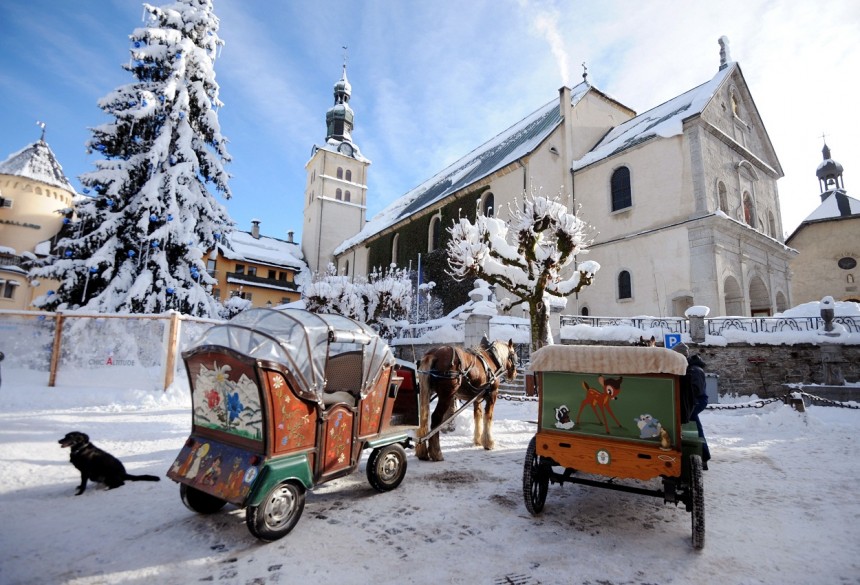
339 118
829 173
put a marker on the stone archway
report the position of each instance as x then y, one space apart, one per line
759 298
733 297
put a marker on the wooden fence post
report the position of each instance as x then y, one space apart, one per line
55 349
172 347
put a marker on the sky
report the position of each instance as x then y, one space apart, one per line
431 81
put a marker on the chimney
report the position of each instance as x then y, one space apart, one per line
725 56
290 237
255 228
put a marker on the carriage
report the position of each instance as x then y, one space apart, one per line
282 401
614 413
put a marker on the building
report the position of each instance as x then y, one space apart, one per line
336 188
828 242
33 191
682 200
258 268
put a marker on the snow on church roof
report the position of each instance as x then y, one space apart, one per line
38 163
507 147
665 120
837 204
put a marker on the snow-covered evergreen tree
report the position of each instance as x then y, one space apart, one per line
382 301
545 239
137 243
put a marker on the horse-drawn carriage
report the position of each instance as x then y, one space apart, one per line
614 412
284 400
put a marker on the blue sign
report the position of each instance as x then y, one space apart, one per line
670 340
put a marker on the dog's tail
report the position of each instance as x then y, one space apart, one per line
141 477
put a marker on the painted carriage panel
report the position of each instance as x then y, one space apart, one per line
337 440
225 395
293 420
224 471
636 408
371 408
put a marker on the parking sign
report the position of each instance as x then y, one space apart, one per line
670 340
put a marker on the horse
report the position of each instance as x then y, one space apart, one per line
454 373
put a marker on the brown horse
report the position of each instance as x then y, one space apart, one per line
454 373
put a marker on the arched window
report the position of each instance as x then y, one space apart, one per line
346 196
723 198
338 194
584 311
394 241
340 172
749 210
620 185
435 233
625 290
489 205
348 175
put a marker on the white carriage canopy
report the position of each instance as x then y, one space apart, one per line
608 360
303 342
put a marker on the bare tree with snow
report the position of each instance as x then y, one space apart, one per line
136 244
382 301
526 256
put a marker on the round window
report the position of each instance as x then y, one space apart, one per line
847 263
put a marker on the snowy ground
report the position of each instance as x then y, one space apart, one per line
781 501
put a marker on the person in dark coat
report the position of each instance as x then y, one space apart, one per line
698 394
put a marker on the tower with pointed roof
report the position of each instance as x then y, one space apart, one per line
336 186
33 192
828 241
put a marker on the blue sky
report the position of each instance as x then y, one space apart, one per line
433 80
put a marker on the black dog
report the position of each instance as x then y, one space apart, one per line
97 465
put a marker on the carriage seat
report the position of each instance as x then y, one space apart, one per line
343 378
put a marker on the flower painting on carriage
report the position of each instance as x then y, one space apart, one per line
227 399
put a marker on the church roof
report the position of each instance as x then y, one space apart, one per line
507 147
664 121
837 204
38 163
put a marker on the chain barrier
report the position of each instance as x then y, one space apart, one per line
518 397
784 399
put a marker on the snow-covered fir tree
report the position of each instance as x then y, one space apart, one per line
136 244
382 301
526 256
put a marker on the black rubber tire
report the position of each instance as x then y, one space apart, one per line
198 501
386 467
278 513
697 502
535 480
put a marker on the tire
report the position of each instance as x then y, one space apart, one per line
697 502
278 513
535 480
198 501
386 467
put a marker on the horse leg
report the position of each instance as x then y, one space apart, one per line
451 426
423 416
434 448
479 419
490 406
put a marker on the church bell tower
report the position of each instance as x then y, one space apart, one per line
336 186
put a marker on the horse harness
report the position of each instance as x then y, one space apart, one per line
492 374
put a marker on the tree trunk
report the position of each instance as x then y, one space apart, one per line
540 332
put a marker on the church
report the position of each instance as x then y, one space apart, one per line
682 199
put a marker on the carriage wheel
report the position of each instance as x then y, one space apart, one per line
199 501
278 513
386 467
697 502
535 480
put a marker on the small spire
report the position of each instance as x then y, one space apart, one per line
584 73
42 126
725 55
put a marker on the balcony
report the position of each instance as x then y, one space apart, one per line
253 280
